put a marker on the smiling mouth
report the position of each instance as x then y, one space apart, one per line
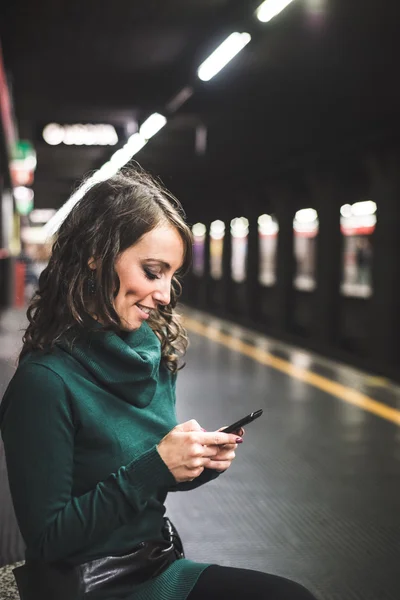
145 309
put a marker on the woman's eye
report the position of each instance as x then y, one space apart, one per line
150 275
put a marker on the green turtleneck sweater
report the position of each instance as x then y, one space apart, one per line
80 428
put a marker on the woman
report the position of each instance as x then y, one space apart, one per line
88 420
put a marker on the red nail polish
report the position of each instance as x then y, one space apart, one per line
203 429
239 440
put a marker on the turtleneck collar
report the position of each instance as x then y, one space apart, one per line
127 364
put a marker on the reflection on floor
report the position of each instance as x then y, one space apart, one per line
313 492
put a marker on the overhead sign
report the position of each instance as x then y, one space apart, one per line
23 163
80 134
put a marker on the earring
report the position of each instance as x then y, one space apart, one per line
92 282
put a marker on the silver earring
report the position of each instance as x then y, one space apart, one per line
92 283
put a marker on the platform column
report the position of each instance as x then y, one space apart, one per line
327 200
253 261
285 260
226 265
205 283
385 301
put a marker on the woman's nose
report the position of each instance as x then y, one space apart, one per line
163 294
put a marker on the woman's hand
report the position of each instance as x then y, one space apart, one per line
187 450
225 454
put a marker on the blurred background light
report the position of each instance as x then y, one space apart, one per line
270 8
239 227
217 230
51 226
364 208
23 194
346 211
180 98
135 143
53 134
41 215
23 199
152 125
199 230
306 215
222 55
79 135
106 171
267 225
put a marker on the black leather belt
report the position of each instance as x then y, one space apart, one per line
100 578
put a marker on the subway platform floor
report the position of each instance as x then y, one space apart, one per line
313 494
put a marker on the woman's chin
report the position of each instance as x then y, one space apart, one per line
129 325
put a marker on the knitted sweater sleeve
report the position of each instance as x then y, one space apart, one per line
206 476
38 434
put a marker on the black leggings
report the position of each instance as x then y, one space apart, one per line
228 583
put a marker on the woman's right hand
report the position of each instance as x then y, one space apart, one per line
187 449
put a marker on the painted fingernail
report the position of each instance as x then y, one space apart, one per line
203 429
239 440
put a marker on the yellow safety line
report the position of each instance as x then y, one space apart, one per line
331 387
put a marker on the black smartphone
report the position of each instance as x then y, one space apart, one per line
236 426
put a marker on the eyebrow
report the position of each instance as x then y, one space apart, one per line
157 260
162 262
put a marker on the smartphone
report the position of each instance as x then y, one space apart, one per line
236 426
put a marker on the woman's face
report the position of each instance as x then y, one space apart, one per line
145 272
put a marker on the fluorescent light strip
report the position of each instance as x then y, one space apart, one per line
51 226
222 55
152 126
270 8
121 157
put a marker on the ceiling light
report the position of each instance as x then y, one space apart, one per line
359 209
79 135
270 8
239 227
121 157
51 226
110 168
217 230
53 134
152 125
306 215
199 230
267 225
346 211
106 171
222 55
132 146
135 143
364 208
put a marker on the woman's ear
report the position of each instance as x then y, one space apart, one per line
92 264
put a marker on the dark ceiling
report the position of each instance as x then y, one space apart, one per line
320 76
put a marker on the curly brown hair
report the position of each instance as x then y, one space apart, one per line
110 217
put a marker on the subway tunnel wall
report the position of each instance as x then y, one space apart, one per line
327 313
